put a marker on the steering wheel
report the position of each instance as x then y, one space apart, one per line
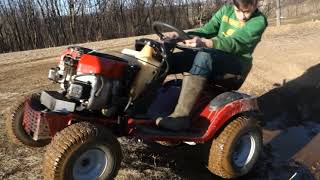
181 34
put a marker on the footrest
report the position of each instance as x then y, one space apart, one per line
158 132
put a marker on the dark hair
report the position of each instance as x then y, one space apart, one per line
237 3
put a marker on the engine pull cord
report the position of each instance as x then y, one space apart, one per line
128 104
101 87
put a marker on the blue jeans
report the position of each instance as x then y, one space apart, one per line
208 64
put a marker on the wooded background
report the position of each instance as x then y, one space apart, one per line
33 24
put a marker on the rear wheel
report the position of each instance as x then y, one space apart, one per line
14 124
82 151
237 148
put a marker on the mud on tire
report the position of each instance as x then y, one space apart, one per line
236 149
14 125
76 152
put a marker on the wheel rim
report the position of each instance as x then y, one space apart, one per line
90 165
244 150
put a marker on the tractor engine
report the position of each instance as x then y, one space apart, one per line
88 81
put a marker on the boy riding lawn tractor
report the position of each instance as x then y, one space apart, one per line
105 96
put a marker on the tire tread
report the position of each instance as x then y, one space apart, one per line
217 162
65 141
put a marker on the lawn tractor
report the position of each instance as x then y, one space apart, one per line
104 96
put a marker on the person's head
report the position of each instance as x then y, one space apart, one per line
244 8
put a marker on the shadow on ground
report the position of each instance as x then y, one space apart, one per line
299 98
291 121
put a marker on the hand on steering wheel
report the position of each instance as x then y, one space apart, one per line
198 42
193 43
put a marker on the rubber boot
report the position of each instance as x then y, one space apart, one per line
180 119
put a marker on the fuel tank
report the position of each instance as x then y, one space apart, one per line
148 69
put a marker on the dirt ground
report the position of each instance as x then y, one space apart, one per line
285 77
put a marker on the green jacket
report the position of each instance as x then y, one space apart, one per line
232 36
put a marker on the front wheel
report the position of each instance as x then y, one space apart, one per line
82 151
236 149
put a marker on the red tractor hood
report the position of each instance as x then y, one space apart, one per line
91 64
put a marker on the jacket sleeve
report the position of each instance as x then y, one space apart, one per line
210 29
243 40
